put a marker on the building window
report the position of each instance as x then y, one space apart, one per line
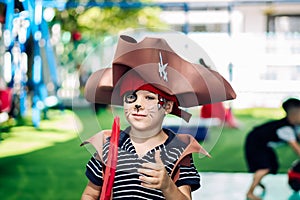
283 24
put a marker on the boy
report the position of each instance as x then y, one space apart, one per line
260 156
148 79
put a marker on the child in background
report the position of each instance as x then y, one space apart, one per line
260 156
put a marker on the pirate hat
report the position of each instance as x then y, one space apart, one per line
156 62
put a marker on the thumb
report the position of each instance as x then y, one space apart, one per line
157 157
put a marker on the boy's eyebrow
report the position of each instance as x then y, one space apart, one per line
129 92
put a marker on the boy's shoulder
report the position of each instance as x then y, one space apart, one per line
190 144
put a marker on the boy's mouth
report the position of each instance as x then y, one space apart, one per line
138 115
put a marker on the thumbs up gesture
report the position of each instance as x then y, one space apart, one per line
154 175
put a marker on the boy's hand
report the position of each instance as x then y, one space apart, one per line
156 175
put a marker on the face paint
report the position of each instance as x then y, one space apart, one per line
161 102
142 110
131 97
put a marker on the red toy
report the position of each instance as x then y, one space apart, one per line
294 176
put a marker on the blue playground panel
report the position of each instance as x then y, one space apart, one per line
195 127
198 132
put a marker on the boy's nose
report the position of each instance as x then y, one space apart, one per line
138 107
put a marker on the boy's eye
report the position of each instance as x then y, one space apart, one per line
130 97
150 97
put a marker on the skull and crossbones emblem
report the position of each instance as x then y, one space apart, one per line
162 68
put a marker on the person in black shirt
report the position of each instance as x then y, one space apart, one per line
260 155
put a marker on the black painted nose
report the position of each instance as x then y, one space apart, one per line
138 106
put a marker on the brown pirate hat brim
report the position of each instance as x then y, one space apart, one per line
99 87
184 79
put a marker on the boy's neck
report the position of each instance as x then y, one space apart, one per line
144 144
144 136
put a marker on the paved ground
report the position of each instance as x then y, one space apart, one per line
233 186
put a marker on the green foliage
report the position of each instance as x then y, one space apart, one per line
109 21
93 24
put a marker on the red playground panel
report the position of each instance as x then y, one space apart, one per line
5 100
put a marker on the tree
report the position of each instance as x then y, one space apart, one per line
90 25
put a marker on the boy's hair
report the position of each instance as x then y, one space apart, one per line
290 103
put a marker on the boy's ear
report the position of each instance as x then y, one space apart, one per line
169 107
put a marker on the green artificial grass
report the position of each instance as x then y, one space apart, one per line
54 169
43 163
26 138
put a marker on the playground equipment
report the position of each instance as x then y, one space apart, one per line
5 104
25 29
25 34
220 112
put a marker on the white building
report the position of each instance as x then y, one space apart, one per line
260 40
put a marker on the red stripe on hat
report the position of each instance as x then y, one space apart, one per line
133 82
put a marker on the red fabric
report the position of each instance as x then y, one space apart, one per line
111 165
133 82
215 110
293 175
151 88
5 100
230 119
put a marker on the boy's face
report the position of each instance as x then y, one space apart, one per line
144 111
296 116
